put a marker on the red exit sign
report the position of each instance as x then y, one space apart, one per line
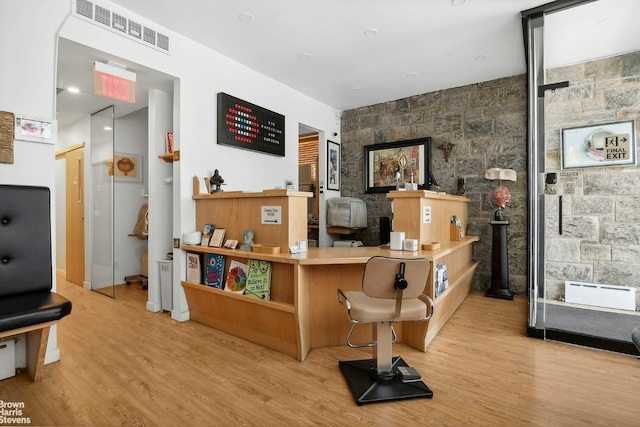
114 87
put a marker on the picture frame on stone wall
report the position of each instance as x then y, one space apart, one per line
387 164
333 165
599 145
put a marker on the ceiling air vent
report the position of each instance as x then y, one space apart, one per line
118 22
149 36
103 16
84 8
163 42
135 30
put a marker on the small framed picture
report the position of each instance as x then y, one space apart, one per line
231 244
217 238
333 165
125 167
34 129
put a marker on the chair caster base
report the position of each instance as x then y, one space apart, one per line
366 389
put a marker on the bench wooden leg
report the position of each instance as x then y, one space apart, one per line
36 350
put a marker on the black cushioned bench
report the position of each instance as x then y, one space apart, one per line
27 304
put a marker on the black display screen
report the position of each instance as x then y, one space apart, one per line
245 125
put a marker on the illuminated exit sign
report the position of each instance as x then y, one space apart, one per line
114 82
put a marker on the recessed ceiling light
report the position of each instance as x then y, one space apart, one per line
245 17
108 128
412 75
603 22
371 32
304 56
480 58
457 2
73 89
356 89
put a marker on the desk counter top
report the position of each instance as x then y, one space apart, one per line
341 255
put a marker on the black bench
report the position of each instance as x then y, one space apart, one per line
27 304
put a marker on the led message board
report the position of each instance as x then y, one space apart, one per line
245 125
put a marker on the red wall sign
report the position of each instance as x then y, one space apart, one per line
114 87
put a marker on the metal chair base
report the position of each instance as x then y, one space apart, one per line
366 388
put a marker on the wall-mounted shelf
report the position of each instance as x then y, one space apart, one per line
170 157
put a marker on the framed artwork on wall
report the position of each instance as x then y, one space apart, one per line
605 144
34 129
388 163
125 167
333 165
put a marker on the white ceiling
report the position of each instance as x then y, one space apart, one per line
322 49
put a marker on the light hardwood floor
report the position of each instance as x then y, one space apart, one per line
122 365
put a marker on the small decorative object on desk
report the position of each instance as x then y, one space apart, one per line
456 232
247 240
216 182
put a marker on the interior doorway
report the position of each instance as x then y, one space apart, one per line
120 255
75 215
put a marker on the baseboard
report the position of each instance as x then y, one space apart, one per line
180 316
584 340
62 273
86 285
153 307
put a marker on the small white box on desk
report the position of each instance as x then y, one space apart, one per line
7 358
397 240
410 245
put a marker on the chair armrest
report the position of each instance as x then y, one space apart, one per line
343 300
427 299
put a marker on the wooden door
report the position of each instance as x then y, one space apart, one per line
75 216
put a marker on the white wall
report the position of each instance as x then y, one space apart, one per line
30 88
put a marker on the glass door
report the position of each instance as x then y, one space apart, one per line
102 225
587 200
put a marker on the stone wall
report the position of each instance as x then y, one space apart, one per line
487 123
600 242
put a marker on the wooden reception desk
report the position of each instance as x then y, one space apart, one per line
303 312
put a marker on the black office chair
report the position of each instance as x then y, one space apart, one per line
392 291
